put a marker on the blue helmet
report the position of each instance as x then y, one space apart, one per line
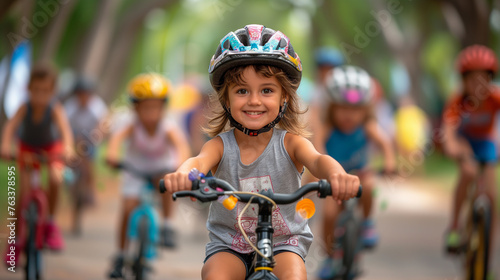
327 56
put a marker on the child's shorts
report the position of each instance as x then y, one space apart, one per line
484 150
131 185
53 152
247 259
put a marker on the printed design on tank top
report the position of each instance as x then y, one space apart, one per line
249 219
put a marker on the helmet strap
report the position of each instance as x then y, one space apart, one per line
255 132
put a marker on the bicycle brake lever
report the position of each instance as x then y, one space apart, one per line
196 194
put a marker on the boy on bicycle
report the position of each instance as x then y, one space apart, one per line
152 145
468 129
42 128
85 111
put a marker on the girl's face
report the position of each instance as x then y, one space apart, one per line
476 83
150 111
41 91
347 118
256 102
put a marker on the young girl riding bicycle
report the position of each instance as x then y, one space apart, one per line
348 128
255 72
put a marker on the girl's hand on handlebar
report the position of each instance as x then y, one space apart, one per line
344 186
177 181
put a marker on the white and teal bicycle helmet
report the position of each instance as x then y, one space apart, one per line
254 45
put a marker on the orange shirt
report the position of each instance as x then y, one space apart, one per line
471 116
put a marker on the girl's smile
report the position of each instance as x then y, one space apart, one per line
256 101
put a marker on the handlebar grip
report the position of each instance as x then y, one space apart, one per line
162 186
181 194
360 191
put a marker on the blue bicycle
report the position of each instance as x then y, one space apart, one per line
143 230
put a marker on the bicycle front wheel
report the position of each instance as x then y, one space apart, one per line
33 254
478 247
140 264
350 239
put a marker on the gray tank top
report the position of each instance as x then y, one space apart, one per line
38 134
273 170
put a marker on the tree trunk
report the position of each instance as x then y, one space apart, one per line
55 31
475 16
5 6
406 51
98 40
127 32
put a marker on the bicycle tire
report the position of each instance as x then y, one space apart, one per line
140 268
478 257
33 255
78 200
349 247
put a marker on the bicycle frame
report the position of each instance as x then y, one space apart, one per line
37 195
479 216
145 210
209 189
34 210
351 238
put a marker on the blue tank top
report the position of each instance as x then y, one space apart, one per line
349 149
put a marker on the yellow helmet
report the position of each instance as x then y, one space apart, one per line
148 86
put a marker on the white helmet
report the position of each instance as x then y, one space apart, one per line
349 85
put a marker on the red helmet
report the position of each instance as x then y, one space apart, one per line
477 57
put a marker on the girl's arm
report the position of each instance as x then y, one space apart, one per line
209 157
176 137
115 142
9 129
302 152
65 129
383 142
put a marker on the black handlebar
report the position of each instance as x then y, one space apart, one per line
148 176
210 189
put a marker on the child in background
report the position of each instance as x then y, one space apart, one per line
42 128
326 59
469 130
85 110
256 72
349 126
152 145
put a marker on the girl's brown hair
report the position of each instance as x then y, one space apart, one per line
218 122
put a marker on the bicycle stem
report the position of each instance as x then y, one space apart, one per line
264 232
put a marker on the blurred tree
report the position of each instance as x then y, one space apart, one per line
469 20
96 44
125 37
55 30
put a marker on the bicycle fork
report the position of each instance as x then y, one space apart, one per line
147 213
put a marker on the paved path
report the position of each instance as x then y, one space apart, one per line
411 231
